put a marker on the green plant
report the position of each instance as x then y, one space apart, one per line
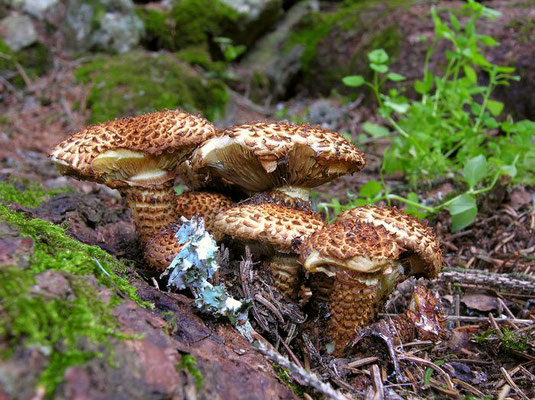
189 363
230 51
452 128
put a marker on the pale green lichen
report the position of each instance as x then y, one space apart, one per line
194 266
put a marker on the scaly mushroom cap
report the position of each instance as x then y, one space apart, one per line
408 232
136 151
277 197
265 155
204 204
162 249
270 224
350 245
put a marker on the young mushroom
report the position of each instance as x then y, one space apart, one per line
290 158
367 260
204 204
271 230
162 249
424 257
138 156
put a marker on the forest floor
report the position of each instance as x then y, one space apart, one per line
489 342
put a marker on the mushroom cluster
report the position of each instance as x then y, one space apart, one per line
352 263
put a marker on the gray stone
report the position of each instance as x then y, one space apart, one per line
117 30
323 112
38 8
18 31
256 18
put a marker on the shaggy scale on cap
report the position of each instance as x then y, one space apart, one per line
145 136
364 260
409 233
139 156
266 155
204 204
269 223
273 229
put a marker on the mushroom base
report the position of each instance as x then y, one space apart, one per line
152 209
162 249
286 272
352 304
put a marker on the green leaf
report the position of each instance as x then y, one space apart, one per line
463 211
375 130
470 73
455 22
401 108
378 56
488 41
381 68
509 170
395 77
370 189
475 170
353 81
495 107
179 189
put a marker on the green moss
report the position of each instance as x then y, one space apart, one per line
285 378
31 196
140 82
59 327
188 23
34 60
512 341
159 29
189 363
198 55
54 326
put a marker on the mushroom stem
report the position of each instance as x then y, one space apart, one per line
294 192
286 272
352 305
152 209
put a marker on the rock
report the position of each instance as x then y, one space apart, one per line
145 363
323 112
269 67
18 31
107 25
36 8
118 32
14 250
255 17
141 81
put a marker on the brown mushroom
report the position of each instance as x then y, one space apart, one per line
367 259
293 158
162 249
424 257
138 156
271 230
204 204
